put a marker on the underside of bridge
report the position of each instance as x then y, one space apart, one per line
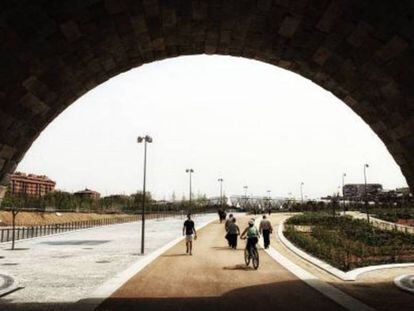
52 52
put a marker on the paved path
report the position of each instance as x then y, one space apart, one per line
57 271
215 278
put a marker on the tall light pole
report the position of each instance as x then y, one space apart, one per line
301 191
245 196
268 199
146 139
190 171
343 193
365 190
220 180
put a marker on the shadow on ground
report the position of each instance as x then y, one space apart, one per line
289 296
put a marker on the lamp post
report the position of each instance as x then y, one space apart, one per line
268 200
146 139
220 180
190 171
301 192
245 196
343 193
365 190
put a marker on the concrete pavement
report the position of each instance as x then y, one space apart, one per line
56 271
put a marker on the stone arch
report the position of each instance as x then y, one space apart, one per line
52 52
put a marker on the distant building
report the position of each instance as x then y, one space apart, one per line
30 184
88 194
355 191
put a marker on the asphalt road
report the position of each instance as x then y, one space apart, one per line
215 278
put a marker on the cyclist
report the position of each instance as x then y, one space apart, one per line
252 236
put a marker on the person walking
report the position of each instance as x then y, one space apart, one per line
188 231
233 232
265 229
220 214
226 227
228 221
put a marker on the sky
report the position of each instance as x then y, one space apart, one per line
245 121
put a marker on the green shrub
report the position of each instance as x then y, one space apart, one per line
348 243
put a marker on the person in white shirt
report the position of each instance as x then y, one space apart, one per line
265 229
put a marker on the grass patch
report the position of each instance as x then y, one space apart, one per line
348 243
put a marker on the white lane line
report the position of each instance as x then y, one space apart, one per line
111 285
324 288
405 282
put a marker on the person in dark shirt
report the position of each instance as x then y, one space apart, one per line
188 231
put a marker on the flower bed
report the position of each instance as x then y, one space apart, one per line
348 243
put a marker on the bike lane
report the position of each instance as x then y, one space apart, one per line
215 278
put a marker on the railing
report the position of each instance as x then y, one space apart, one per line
42 230
27 232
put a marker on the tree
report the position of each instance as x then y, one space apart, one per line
173 197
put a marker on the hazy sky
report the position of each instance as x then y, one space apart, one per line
248 122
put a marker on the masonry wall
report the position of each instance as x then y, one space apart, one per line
52 52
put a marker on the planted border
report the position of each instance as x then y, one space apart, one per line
348 243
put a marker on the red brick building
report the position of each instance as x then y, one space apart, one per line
30 184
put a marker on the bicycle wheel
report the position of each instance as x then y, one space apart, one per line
246 256
255 258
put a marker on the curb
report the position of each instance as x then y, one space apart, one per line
9 284
110 286
321 286
344 276
405 282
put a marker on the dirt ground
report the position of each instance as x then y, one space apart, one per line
39 218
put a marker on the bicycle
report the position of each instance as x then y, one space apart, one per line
253 255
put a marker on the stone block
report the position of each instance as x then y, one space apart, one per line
331 14
321 56
289 26
394 47
70 31
34 104
359 34
7 152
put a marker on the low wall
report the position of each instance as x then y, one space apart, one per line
385 225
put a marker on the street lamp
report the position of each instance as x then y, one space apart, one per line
365 190
146 139
268 199
343 193
190 171
301 191
245 196
220 180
